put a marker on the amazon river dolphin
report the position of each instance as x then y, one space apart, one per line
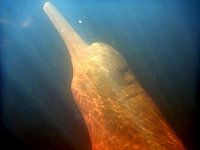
119 114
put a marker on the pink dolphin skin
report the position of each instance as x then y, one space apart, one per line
119 114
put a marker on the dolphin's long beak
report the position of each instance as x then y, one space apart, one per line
73 41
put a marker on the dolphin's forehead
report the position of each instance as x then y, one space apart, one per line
102 49
105 56
105 66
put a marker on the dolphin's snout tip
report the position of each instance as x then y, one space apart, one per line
46 5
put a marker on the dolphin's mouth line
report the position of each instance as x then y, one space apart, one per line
74 43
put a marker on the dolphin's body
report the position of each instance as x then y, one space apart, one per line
118 113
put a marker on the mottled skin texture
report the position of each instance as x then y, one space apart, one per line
119 114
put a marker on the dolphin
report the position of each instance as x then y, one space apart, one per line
119 114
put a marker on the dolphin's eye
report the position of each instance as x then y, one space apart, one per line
123 69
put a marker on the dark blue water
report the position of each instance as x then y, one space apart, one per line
159 40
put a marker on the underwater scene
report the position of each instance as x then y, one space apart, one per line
99 75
